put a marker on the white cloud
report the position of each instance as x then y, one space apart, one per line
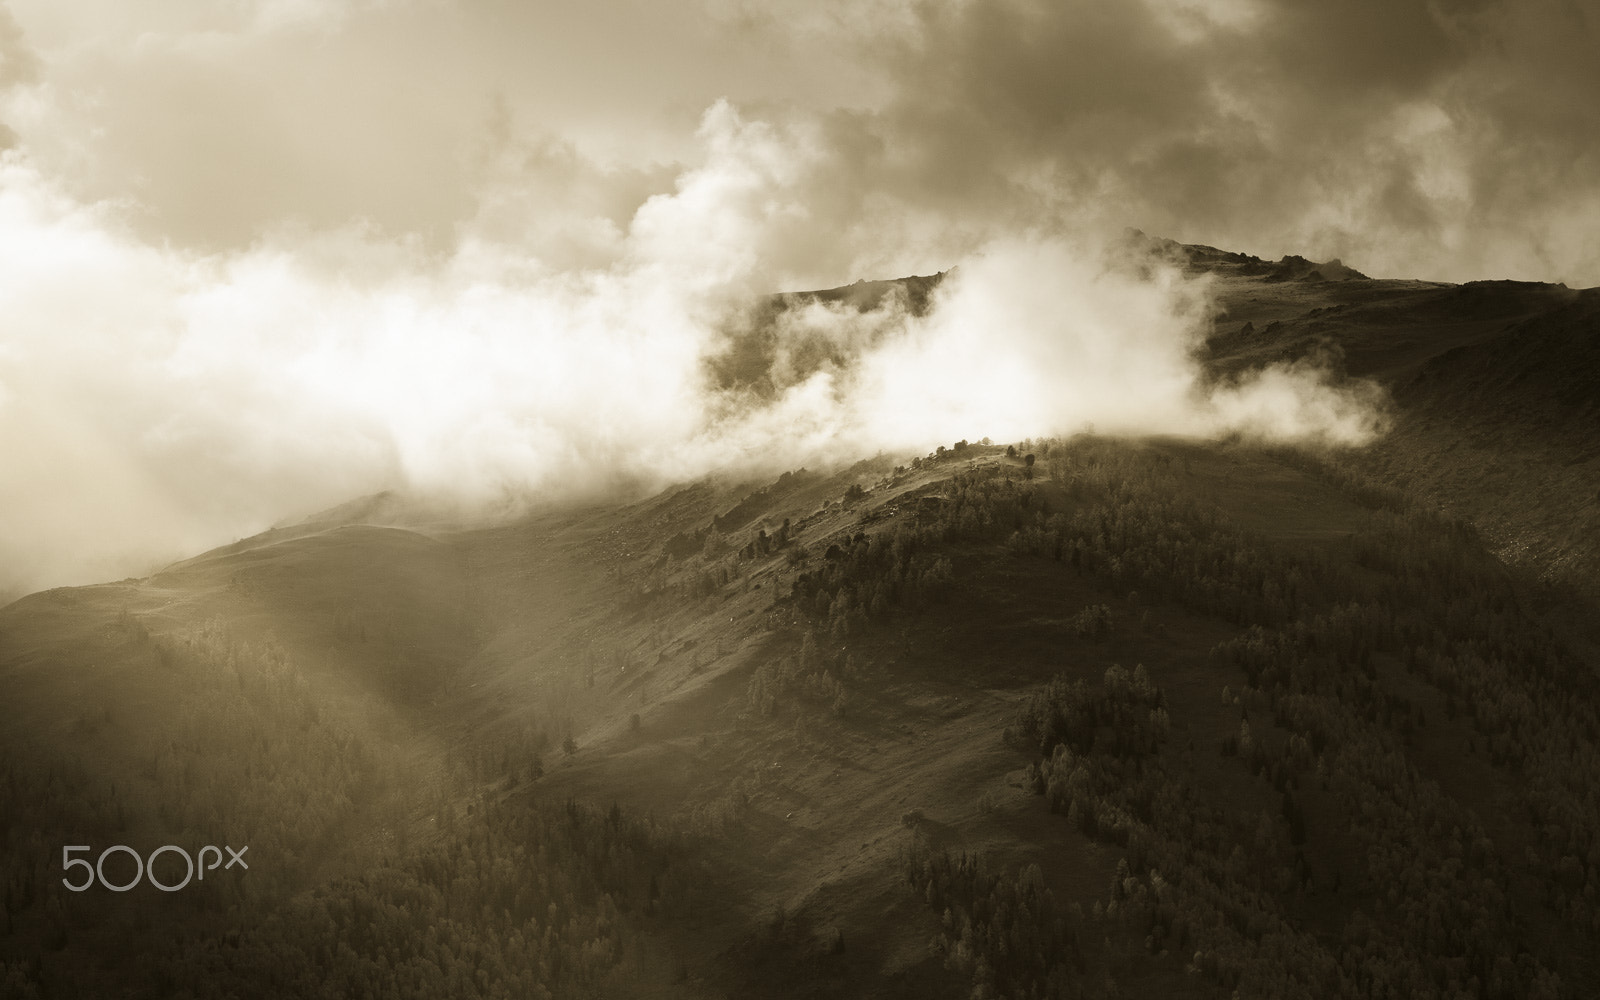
160 400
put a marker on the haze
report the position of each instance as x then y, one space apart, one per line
259 258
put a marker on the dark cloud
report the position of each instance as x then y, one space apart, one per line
1361 49
1447 136
18 62
1450 138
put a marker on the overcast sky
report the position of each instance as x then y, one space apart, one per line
1445 139
258 257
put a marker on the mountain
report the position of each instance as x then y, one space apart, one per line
1056 717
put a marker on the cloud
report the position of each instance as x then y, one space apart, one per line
1046 333
224 122
1442 140
258 258
156 400
1449 139
19 64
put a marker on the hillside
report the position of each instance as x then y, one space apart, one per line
1494 385
1067 717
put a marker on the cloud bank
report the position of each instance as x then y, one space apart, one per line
157 400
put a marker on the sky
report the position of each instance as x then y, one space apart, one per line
260 256
1448 140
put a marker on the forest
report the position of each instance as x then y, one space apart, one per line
1343 662
374 872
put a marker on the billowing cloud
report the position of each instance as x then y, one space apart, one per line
156 400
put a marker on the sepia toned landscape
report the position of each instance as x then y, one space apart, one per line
862 539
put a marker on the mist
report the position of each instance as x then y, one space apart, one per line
156 401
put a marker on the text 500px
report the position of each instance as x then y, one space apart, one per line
145 868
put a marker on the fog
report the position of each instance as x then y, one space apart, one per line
262 257
155 401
